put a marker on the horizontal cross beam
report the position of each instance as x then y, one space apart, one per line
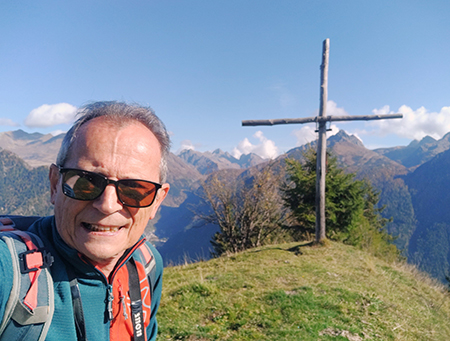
318 119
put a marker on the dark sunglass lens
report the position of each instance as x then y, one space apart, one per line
136 193
83 185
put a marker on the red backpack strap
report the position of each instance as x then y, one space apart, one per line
30 303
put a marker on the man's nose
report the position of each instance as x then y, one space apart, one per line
108 202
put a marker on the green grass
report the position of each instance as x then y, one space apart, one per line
334 292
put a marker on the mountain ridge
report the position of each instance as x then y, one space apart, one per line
209 162
36 149
417 152
394 175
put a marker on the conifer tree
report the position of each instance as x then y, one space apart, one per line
352 214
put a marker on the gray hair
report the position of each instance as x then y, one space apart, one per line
122 113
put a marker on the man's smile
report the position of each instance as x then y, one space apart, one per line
99 228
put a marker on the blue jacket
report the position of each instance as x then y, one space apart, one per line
94 288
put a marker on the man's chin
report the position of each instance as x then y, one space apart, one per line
103 255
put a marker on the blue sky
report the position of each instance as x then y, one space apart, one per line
206 65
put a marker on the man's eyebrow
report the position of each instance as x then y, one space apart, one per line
98 173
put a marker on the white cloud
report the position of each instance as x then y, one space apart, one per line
50 115
58 132
332 109
307 134
185 145
8 122
265 148
415 124
304 135
357 136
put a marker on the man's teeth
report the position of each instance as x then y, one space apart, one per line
96 228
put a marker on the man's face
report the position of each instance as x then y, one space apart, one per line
102 229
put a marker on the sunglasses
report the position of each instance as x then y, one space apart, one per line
83 185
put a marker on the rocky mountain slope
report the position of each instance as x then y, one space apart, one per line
417 152
36 149
429 186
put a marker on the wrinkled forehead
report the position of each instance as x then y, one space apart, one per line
114 135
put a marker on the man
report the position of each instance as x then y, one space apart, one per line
108 182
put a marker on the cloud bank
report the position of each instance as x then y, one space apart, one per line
415 125
8 122
265 148
51 115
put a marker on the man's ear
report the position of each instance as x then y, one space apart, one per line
160 196
53 176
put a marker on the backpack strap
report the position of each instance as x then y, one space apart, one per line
78 314
30 306
144 255
18 222
137 316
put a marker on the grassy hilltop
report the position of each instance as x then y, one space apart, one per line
302 292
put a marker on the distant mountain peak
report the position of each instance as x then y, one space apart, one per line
423 142
427 140
187 152
417 152
249 160
22 135
208 162
218 151
342 136
36 149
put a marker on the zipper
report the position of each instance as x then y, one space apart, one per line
111 281
110 301
122 301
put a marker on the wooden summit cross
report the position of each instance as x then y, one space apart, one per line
321 120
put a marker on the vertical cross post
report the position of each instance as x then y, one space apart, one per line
321 167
